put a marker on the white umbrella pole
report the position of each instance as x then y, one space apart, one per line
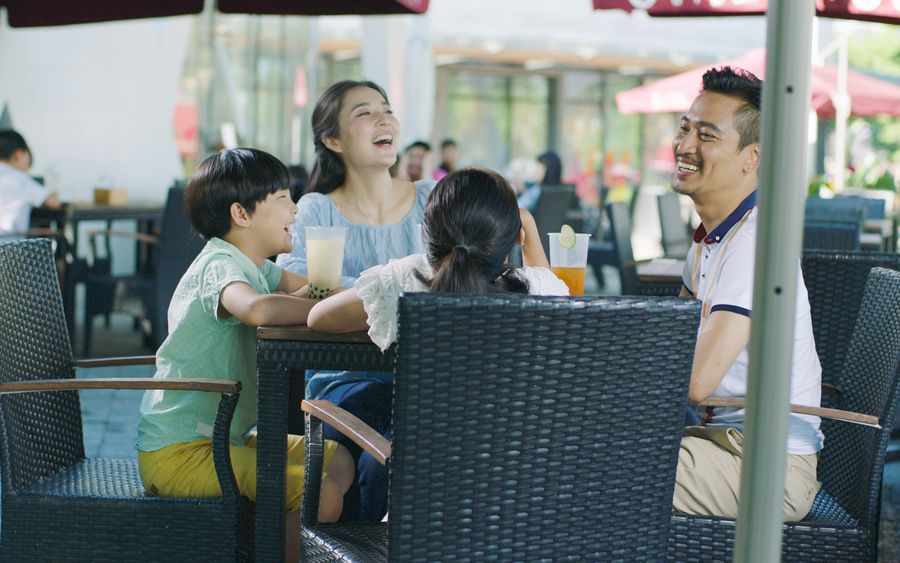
781 195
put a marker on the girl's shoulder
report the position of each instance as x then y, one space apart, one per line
542 281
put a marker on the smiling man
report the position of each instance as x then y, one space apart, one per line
717 160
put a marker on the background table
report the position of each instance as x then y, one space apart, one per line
283 356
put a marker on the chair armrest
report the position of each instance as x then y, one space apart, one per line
836 414
120 361
186 384
142 237
362 435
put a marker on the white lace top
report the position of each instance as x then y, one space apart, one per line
380 287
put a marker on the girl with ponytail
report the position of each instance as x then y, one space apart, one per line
471 224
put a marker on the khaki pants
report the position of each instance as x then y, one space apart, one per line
709 475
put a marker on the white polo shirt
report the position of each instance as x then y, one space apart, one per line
719 272
18 194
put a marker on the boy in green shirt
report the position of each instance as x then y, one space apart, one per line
239 201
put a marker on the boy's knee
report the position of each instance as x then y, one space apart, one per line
331 500
341 468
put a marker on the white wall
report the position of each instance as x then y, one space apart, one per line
97 100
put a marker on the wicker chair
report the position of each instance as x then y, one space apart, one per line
56 504
525 428
836 282
843 524
818 235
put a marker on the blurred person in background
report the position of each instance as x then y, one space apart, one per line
449 157
414 165
19 193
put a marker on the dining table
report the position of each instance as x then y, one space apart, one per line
68 220
284 354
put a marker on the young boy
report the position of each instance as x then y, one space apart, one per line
18 192
239 201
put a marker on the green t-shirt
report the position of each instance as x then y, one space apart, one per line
202 345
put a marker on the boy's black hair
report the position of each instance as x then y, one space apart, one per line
447 143
10 142
244 176
420 144
745 86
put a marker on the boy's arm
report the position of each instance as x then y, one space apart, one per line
723 337
532 250
290 282
240 300
52 201
339 313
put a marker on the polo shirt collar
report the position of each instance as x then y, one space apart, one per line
700 235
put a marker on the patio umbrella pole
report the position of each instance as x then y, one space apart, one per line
781 193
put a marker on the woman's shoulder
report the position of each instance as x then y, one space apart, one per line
314 200
423 188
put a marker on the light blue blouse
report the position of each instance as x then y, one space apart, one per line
365 245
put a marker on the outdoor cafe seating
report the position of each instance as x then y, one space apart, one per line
843 524
58 505
146 292
519 434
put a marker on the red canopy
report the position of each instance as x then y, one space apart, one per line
36 13
868 96
885 11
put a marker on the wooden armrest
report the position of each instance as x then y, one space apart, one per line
186 384
142 237
120 361
348 425
830 390
836 414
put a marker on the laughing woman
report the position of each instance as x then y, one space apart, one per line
356 137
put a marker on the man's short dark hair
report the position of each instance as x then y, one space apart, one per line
447 143
420 144
244 176
745 86
10 142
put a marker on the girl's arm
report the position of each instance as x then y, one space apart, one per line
532 250
339 313
255 309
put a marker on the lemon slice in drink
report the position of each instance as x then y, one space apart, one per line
566 236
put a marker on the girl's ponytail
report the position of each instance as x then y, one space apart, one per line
471 224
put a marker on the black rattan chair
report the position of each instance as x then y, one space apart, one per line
830 236
146 294
836 282
514 432
551 210
56 504
674 231
843 524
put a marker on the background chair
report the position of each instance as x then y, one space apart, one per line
675 232
56 504
617 251
552 210
843 524
515 435
145 293
830 236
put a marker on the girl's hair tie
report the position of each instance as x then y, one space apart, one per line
461 248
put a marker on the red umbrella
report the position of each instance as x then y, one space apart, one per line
885 11
868 96
36 13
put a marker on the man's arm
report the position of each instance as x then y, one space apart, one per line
723 337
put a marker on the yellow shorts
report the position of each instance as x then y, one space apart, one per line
186 470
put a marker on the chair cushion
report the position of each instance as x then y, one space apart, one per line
363 542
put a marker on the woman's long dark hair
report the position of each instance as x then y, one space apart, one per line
471 224
328 171
552 168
